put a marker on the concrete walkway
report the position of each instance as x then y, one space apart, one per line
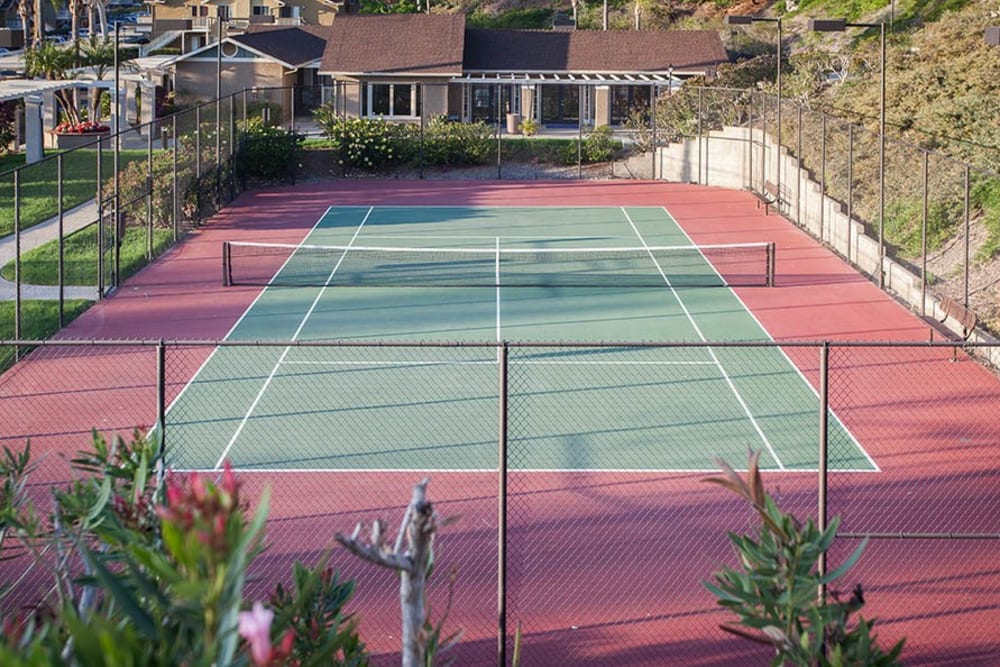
73 219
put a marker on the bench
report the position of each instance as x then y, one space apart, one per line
770 197
952 309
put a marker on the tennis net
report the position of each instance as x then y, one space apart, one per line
286 265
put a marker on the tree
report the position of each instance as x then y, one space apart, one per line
48 61
776 593
98 54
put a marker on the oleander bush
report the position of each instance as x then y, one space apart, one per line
150 571
775 591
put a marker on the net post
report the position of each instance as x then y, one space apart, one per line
227 276
770 263
502 359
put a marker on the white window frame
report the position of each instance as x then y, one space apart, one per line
414 93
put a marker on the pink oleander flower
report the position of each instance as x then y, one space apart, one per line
255 627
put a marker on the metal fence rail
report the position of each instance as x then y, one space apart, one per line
591 539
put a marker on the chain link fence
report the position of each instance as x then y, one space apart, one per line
76 224
576 471
920 223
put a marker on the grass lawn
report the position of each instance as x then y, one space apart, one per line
41 265
39 320
38 183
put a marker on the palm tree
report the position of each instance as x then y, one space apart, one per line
48 61
98 53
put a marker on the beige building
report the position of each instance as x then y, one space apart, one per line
415 66
188 25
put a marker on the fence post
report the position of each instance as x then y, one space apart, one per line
700 110
161 408
824 405
118 231
750 168
499 113
149 192
798 178
173 193
17 263
923 239
502 511
61 266
850 188
763 142
197 142
100 221
822 181
652 119
965 213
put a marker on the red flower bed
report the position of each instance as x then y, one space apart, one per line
86 127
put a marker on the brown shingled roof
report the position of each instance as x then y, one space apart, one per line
398 44
592 51
295 46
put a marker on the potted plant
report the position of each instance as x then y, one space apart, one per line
73 135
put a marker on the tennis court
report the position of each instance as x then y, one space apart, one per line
389 276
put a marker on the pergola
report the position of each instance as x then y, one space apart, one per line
32 92
530 79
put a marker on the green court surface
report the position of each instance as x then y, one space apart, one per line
410 407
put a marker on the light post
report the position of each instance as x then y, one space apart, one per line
747 20
840 25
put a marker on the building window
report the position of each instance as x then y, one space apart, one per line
393 100
627 101
260 10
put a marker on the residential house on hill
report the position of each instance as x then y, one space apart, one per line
191 24
413 66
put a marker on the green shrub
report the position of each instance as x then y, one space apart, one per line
543 150
451 143
599 145
135 180
369 144
267 152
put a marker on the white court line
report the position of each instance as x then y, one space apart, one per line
791 363
295 336
711 352
239 320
